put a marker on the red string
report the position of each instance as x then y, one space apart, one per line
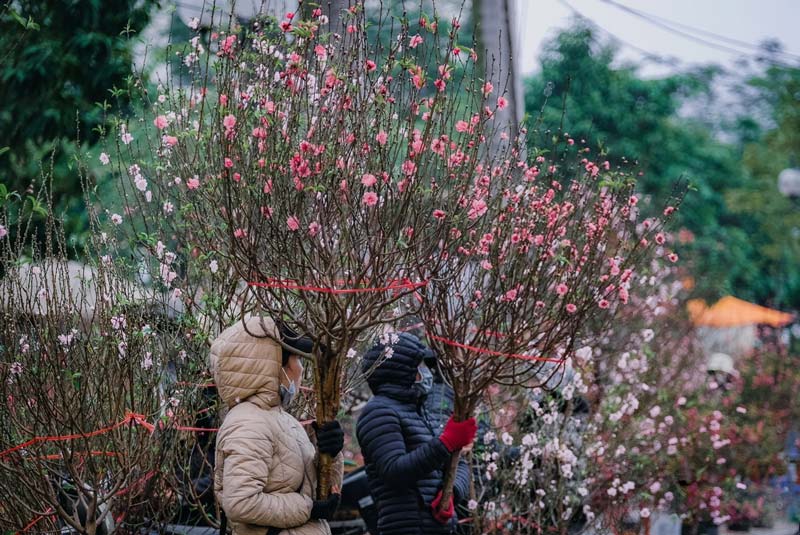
138 419
130 417
285 284
120 492
93 453
410 327
140 481
36 521
60 438
491 352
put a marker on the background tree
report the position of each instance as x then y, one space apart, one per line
770 143
59 61
641 120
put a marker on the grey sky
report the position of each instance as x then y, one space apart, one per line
746 20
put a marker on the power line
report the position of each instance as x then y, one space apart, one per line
723 38
666 26
614 37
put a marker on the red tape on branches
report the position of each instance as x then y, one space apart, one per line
138 419
36 520
93 453
130 417
492 352
285 284
121 492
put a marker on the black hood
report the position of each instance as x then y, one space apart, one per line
395 375
290 337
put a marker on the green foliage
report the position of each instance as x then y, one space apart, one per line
762 210
732 228
58 62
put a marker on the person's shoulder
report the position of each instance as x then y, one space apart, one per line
378 407
246 419
379 401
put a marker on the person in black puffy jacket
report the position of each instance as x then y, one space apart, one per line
404 458
441 398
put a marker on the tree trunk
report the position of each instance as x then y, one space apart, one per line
333 10
460 413
450 477
327 387
496 50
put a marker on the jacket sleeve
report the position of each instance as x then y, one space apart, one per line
461 486
381 440
247 457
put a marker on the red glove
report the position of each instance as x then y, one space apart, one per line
442 516
456 435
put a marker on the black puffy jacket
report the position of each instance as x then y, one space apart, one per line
439 405
404 458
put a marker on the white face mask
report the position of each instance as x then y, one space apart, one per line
287 393
425 383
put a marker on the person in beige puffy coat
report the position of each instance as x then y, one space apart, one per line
265 475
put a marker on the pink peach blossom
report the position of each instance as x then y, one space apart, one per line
370 198
477 209
409 167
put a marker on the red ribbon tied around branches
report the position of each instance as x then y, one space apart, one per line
492 352
130 417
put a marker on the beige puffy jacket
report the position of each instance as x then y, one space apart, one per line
265 472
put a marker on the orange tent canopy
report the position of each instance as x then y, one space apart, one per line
732 312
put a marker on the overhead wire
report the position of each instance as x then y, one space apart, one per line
720 37
648 54
657 21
